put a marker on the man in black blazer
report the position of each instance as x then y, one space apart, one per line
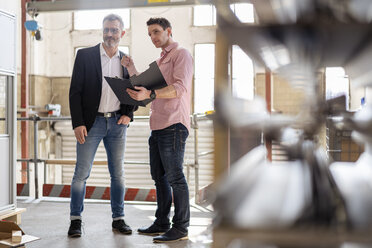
98 115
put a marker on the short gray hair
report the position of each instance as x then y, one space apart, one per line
114 17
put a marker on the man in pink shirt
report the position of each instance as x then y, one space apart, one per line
170 124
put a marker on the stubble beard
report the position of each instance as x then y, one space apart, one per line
111 42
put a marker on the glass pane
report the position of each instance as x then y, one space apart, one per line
3 105
242 73
244 12
204 77
92 19
204 60
204 15
204 95
337 83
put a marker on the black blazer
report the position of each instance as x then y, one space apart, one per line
86 88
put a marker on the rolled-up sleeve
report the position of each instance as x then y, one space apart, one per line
182 72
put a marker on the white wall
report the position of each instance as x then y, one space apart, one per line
53 55
10 6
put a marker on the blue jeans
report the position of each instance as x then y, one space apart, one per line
167 148
113 136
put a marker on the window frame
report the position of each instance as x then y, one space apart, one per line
214 14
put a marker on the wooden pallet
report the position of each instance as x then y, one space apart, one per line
13 215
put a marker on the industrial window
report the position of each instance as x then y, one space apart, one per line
337 83
205 15
242 74
204 78
92 19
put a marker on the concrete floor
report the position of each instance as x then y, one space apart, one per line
49 219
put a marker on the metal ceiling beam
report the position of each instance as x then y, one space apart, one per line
70 5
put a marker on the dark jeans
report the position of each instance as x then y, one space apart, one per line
167 148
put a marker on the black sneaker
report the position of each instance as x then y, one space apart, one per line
121 227
152 230
171 236
75 229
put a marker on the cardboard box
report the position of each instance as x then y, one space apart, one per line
16 236
7 228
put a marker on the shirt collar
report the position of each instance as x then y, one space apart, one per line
169 48
103 52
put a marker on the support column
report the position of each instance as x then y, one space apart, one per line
24 95
268 80
222 83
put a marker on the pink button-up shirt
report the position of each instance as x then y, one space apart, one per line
176 65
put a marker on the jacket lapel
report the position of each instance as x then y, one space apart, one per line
97 62
124 71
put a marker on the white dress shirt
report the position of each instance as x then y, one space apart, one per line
111 67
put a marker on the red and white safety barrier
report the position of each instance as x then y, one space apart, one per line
92 192
103 193
23 189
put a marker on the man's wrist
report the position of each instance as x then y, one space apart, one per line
152 94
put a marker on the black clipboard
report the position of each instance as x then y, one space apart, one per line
151 79
119 87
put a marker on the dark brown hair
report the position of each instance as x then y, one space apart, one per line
164 23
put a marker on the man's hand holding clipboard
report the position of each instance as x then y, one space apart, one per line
140 85
139 93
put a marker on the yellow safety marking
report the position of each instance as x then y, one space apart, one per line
157 1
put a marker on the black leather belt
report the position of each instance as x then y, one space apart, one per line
109 114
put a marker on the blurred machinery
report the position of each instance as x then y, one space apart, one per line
354 179
302 202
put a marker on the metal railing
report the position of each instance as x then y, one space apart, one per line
36 160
